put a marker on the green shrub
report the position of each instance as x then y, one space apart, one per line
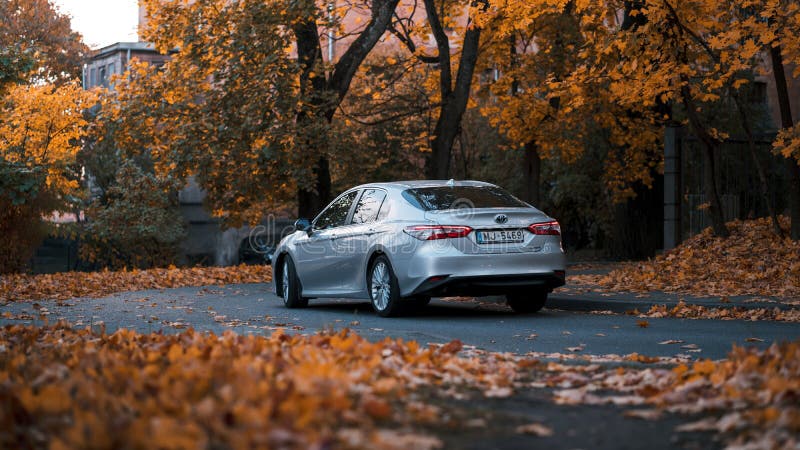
24 200
137 225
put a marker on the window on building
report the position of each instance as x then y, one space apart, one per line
92 77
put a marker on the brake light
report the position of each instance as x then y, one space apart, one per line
546 228
431 232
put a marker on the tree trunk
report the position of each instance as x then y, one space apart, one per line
715 205
533 170
454 99
325 95
792 169
311 202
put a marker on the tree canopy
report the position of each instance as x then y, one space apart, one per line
41 122
251 105
38 44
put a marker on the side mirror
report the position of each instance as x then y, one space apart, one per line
302 225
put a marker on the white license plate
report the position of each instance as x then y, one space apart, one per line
500 236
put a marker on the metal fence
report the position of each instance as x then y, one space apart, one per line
737 181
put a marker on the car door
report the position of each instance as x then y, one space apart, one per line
318 260
356 239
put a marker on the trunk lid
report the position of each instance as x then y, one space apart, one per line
495 230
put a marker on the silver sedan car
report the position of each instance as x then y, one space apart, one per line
399 244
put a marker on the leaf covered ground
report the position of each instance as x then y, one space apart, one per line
67 388
66 285
63 387
684 310
753 261
751 399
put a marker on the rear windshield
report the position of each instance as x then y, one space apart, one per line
438 198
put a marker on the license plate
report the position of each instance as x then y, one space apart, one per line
500 236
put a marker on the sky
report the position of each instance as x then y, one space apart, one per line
102 22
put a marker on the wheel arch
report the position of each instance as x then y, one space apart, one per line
374 254
277 270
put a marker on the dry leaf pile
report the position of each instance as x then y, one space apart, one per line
752 261
757 393
752 398
62 286
67 388
686 311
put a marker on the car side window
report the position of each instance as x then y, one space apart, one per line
336 213
368 206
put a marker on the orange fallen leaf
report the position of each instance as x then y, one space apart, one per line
536 429
377 408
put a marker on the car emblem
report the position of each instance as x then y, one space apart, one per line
501 218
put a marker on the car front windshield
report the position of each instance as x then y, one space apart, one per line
437 198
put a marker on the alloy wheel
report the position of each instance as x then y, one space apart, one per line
381 286
285 281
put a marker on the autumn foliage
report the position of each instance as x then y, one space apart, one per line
41 130
62 286
752 261
41 127
41 123
66 388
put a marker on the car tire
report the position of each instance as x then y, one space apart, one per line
384 291
290 285
527 302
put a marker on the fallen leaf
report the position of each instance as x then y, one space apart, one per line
452 347
644 414
377 408
498 392
535 429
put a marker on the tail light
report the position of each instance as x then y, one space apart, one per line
431 232
546 228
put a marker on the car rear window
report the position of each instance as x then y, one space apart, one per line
438 198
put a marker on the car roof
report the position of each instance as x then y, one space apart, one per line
411 184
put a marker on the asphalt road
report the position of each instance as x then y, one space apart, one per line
253 309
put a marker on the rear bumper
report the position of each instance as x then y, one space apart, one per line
439 268
444 286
